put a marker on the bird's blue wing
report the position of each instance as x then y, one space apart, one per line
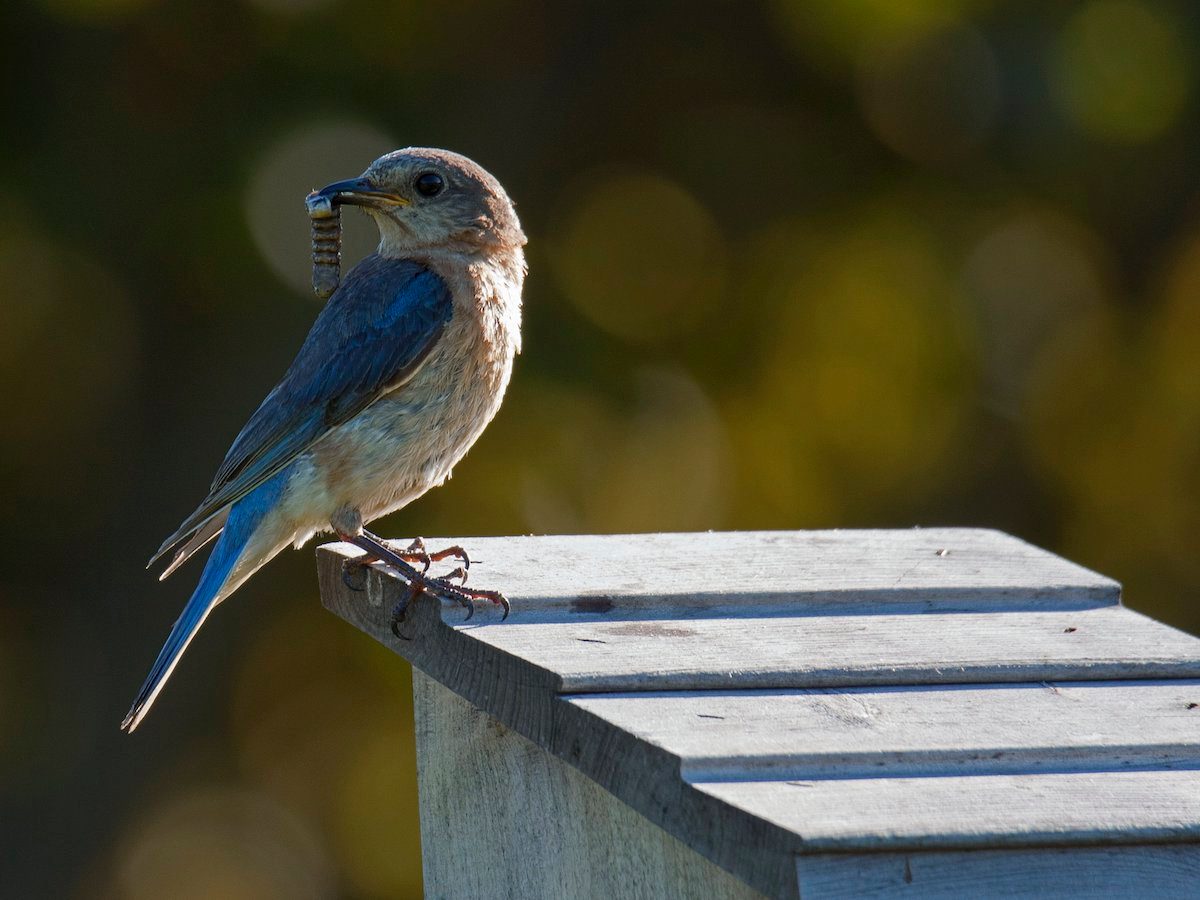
371 337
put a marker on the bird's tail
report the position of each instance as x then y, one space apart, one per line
214 586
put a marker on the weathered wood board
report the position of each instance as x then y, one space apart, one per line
914 731
962 811
843 650
549 831
785 572
1164 871
805 710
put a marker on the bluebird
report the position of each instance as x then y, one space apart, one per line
403 369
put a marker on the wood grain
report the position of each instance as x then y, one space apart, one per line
684 648
1166 872
918 731
974 811
502 818
828 695
676 653
784 572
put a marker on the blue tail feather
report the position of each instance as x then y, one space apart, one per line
244 519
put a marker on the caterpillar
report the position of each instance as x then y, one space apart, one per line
326 217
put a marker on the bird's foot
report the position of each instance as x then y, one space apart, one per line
354 571
419 581
452 552
445 590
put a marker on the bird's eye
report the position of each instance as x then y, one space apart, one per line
429 184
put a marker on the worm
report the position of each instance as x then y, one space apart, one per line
326 219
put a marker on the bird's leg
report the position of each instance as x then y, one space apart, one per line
442 588
379 551
348 524
354 574
357 568
420 581
354 570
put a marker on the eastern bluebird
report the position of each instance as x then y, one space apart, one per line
402 370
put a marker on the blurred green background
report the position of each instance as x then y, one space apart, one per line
792 265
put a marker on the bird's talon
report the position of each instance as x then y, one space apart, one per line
442 588
399 614
354 574
400 611
460 573
416 552
467 597
454 551
461 555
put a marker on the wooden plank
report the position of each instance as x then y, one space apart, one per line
681 647
524 698
683 651
802 611
1165 872
536 828
965 812
831 651
790 572
908 732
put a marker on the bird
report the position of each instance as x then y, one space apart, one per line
404 367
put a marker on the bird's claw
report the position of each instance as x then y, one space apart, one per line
354 573
419 581
445 590
454 551
400 612
417 552
460 573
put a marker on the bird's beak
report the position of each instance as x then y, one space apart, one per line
353 191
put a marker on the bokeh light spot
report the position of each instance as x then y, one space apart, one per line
932 98
840 32
640 257
661 463
68 339
223 842
374 820
362 696
309 158
669 469
868 373
1122 70
1177 335
1032 276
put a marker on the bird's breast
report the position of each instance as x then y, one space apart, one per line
409 440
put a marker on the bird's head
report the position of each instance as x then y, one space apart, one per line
426 200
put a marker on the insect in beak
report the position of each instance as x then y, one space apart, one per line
324 209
